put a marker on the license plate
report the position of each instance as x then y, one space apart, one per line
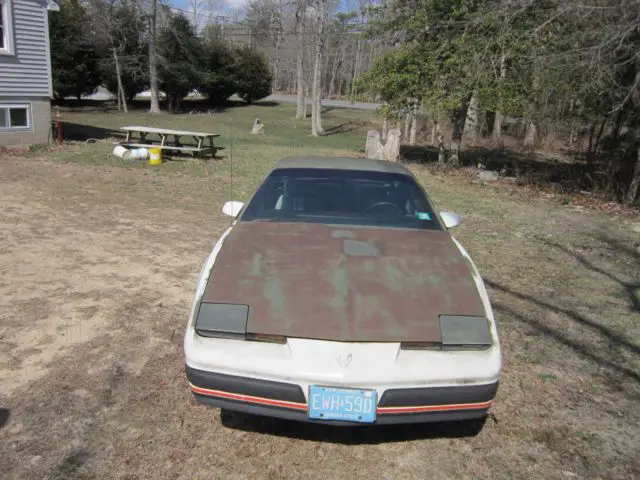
328 403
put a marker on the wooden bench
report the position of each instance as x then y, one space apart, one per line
165 143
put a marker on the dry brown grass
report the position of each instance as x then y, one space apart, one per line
99 264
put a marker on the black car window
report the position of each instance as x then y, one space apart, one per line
348 197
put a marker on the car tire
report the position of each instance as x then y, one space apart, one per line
474 427
230 419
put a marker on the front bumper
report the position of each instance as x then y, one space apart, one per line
288 401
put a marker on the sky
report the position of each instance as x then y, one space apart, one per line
227 7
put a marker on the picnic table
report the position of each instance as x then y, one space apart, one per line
165 142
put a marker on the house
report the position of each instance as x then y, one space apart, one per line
25 72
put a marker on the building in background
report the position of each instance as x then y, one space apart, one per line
25 72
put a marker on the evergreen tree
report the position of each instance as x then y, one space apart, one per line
74 58
218 79
180 52
252 75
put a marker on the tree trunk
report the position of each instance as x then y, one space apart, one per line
316 87
632 192
471 119
334 69
304 101
530 135
301 109
153 59
277 45
414 123
315 92
497 128
572 123
319 128
599 136
441 152
457 133
497 121
122 98
276 65
407 123
355 69
617 127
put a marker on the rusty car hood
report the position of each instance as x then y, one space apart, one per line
343 283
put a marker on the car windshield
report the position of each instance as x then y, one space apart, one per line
348 197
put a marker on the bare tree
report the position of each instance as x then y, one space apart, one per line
634 186
153 58
322 14
415 107
203 12
277 37
498 119
300 16
122 97
104 26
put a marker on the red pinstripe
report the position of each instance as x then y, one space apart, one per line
434 408
303 406
249 398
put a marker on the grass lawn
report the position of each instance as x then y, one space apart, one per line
99 263
242 153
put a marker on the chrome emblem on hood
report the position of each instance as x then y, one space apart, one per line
345 361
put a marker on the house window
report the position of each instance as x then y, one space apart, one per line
15 117
5 27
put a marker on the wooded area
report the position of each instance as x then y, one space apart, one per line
560 75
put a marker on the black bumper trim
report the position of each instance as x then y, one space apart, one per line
409 397
286 392
301 416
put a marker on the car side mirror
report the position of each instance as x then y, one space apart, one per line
232 208
450 219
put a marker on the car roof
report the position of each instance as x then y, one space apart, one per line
343 163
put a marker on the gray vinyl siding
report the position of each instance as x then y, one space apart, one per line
27 73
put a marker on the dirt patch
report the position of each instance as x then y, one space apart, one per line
98 267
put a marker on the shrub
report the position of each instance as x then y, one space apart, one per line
252 75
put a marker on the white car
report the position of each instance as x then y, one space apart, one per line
338 295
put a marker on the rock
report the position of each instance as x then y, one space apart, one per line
258 127
390 150
373 148
487 175
636 227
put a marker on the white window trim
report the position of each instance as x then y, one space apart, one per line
9 128
5 6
